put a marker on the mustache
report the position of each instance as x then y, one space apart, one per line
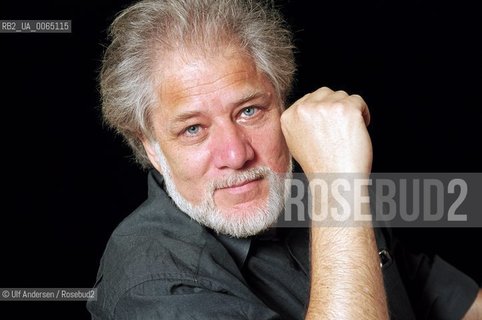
238 178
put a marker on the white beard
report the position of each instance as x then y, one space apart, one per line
241 224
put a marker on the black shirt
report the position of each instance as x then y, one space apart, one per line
161 264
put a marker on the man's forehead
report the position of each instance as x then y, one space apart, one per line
196 83
231 76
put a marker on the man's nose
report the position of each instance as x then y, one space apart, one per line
231 147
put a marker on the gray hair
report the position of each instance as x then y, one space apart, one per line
142 32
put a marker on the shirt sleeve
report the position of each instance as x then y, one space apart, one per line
186 301
436 288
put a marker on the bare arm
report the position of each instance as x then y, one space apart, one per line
326 133
346 279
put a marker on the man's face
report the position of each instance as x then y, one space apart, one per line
219 133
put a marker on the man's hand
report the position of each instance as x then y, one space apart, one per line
326 132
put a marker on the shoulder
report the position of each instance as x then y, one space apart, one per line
155 242
144 244
159 249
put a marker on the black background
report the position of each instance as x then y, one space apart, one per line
67 181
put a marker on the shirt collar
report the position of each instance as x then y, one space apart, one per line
238 248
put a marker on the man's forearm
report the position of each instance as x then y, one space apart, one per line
346 278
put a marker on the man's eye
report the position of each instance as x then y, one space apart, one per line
249 111
192 130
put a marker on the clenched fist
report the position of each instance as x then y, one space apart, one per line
326 132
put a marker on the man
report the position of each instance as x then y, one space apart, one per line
197 88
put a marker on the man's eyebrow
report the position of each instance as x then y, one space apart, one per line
252 96
186 116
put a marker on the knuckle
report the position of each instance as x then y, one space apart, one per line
305 110
288 114
284 116
284 119
322 92
357 98
341 106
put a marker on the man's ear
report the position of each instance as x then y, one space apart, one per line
149 147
